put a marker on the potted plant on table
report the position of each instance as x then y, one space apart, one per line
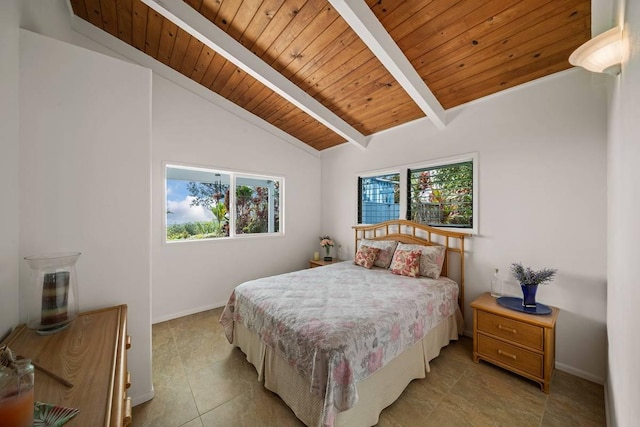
529 280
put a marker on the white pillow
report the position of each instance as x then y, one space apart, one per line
387 248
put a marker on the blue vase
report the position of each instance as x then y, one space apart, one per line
529 295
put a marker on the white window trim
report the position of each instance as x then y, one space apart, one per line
233 174
402 170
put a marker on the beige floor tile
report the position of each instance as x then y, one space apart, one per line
222 381
201 380
583 392
504 375
445 371
166 367
563 413
486 397
404 411
199 349
574 402
173 405
162 339
197 422
423 395
418 400
452 412
256 407
461 350
203 321
430 390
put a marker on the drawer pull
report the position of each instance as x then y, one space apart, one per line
504 328
128 345
128 383
509 355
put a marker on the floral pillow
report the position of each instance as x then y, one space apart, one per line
406 263
387 248
366 256
431 260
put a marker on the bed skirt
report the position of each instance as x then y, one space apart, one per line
375 392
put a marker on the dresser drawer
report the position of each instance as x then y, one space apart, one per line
511 330
516 357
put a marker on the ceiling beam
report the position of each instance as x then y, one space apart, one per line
364 22
204 30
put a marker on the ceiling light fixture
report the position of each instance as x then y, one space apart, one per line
601 54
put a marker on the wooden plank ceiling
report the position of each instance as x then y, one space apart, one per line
462 49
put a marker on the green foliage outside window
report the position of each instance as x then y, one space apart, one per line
252 208
442 196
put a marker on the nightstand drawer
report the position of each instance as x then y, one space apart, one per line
524 360
511 330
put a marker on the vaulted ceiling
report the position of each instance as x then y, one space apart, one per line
330 72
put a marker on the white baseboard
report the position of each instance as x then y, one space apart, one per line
136 400
564 367
187 312
580 373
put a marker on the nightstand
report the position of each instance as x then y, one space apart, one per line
319 263
520 342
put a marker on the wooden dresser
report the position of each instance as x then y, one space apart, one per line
520 342
91 354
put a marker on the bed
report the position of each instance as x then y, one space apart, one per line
340 343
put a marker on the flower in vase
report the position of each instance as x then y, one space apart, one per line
326 243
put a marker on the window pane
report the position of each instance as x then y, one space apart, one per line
442 195
200 204
257 205
379 198
197 204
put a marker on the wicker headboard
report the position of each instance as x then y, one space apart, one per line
406 231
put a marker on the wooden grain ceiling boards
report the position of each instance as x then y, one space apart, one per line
462 49
465 49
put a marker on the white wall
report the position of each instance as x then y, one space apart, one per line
542 197
85 179
51 18
9 141
623 316
190 277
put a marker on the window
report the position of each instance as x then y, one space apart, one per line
199 204
441 196
439 193
257 205
378 198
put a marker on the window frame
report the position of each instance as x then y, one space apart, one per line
234 175
415 201
438 162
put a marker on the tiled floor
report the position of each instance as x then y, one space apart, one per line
200 380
